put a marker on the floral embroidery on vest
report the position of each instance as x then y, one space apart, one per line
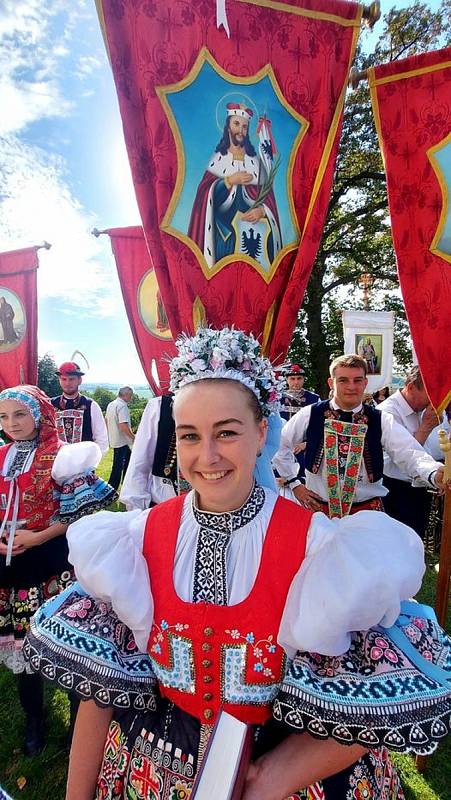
343 450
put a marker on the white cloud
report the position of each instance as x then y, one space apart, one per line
24 102
32 53
36 204
87 65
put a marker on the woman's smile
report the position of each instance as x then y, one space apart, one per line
218 439
215 476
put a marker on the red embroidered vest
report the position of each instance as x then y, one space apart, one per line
207 657
30 515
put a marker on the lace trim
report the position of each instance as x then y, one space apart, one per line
14 660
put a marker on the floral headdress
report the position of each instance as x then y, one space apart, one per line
227 353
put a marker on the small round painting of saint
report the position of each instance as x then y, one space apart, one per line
236 141
12 320
151 308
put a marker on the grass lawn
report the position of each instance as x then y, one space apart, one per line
46 775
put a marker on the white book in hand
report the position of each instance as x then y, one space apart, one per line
223 771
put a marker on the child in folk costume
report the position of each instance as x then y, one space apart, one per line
43 487
234 592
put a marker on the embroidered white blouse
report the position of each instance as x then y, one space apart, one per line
355 573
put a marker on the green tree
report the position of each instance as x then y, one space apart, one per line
102 396
47 377
357 236
136 406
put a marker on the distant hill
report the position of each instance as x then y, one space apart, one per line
142 390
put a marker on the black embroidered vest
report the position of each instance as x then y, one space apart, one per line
81 403
373 456
165 460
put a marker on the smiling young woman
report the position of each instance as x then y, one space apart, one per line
220 588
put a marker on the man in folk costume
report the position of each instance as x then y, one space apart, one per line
296 397
229 202
152 474
79 418
293 399
345 443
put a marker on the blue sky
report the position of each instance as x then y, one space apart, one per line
63 171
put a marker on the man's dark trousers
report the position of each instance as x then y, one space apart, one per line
121 457
407 504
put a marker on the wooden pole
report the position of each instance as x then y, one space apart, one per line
444 573
444 569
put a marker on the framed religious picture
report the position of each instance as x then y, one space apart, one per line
12 320
369 347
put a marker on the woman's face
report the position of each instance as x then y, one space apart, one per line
16 420
218 439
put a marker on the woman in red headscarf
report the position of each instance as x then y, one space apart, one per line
44 485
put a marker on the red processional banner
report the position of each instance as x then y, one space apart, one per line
232 144
412 110
18 317
143 304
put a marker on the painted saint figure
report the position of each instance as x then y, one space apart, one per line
366 350
7 322
229 213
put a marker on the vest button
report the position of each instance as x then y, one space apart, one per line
207 662
208 696
208 631
206 647
207 678
208 713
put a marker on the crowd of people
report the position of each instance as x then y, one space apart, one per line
265 566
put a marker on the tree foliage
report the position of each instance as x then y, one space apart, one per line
47 377
102 396
357 235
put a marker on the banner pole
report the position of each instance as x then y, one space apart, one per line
444 565
444 574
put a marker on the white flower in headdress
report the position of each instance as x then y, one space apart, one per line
227 353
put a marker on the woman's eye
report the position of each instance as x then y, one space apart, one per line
227 434
188 437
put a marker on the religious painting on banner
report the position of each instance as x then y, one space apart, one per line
412 109
232 145
18 317
143 304
370 335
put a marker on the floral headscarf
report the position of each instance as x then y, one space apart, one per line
38 404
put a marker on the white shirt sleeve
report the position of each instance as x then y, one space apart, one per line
136 489
432 443
356 572
106 551
405 452
73 459
293 432
99 431
123 413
